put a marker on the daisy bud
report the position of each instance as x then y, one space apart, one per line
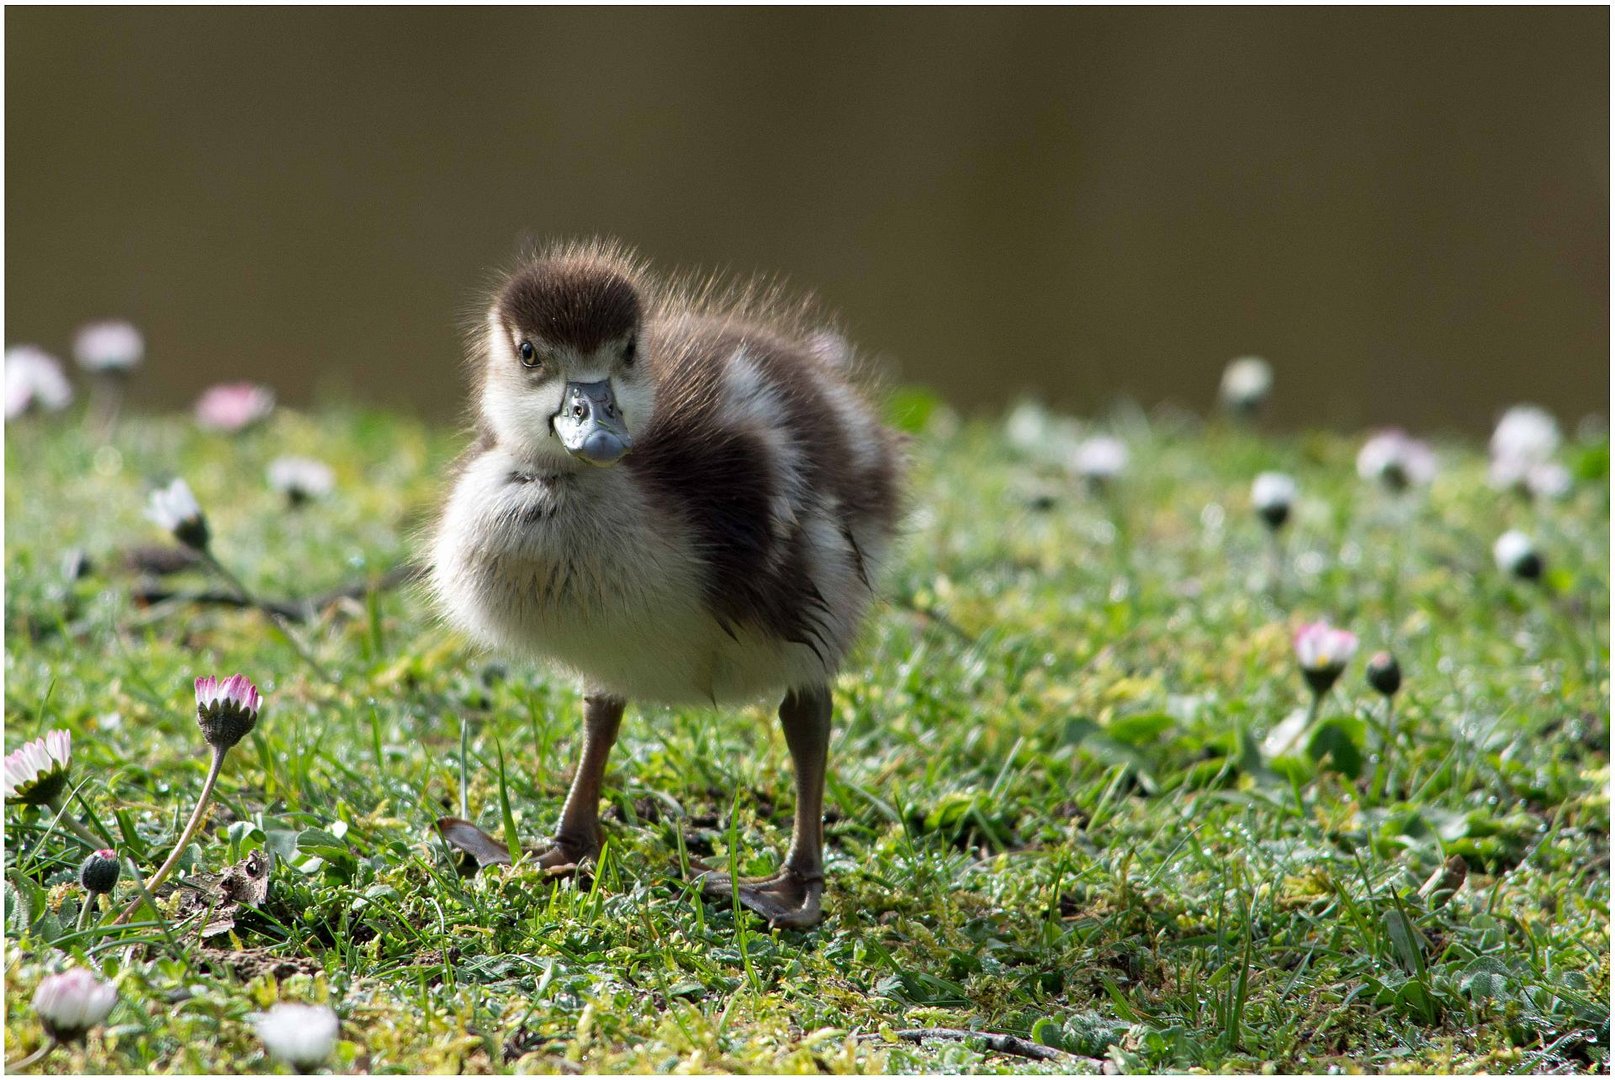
111 346
300 479
1384 673
233 407
1272 494
36 773
226 709
72 1003
1516 554
303 1036
1323 652
1246 383
176 509
99 872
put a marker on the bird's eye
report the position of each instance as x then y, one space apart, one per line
528 353
630 352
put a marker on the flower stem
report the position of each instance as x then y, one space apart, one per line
1379 787
276 618
80 831
106 401
1275 550
184 839
73 825
465 743
34 1058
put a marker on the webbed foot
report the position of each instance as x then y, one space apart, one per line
562 858
788 899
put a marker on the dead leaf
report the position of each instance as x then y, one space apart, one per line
220 898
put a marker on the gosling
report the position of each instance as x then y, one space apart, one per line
677 495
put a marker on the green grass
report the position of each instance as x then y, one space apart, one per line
1051 811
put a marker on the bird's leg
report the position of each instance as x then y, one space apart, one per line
577 840
791 897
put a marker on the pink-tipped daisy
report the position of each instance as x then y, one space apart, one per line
72 1003
226 709
36 773
34 378
301 479
109 346
1323 652
233 407
1396 460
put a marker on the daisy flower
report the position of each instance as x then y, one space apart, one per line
109 346
36 773
72 1003
1323 652
303 1036
1527 433
174 508
301 479
1099 459
1246 382
34 377
233 407
226 709
1396 460
1516 554
1272 494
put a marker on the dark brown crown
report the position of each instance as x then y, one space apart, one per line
571 301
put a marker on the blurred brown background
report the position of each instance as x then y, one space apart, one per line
1407 211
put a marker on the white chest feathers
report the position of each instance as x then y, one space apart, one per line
582 571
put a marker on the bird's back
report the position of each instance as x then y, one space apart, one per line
765 448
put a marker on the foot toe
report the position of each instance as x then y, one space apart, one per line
564 860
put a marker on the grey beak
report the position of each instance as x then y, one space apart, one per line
590 425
